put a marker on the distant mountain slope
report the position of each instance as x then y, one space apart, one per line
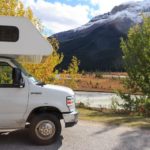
97 43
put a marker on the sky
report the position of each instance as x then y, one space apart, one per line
62 15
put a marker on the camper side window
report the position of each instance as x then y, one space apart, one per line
9 34
5 75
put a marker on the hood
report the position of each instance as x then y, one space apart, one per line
56 88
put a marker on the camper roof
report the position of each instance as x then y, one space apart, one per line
18 36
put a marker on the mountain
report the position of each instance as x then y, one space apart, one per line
97 43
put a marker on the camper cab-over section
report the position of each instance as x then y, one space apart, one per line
18 36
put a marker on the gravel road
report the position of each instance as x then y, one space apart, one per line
84 136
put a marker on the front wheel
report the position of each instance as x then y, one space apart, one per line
45 129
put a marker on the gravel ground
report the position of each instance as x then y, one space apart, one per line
84 136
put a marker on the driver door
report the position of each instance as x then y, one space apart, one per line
13 100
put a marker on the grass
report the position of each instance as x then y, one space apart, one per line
114 119
94 82
99 84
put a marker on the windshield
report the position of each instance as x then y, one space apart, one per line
26 73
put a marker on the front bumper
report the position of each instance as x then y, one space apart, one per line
70 119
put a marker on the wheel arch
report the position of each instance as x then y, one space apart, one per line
44 109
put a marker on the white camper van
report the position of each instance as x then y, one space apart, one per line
24 101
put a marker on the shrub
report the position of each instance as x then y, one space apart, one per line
136 51
114 105
135 104
98 75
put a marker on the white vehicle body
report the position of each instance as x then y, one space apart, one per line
21 101
16 103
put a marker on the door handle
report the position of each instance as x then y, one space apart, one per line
36 93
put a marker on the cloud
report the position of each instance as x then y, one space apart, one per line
57 16
107 5
69 14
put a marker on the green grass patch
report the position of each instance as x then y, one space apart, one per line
110 118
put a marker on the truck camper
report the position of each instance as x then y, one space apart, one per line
24 101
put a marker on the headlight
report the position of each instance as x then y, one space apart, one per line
70 102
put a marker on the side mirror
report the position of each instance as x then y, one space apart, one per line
17 78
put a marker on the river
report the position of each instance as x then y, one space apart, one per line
97 99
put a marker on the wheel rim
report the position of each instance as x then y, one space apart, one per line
45 129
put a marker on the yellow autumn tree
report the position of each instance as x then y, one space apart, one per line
74 66
11 8
73 69
16 8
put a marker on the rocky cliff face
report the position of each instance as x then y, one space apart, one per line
97 43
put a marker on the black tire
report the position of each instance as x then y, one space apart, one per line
33 129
